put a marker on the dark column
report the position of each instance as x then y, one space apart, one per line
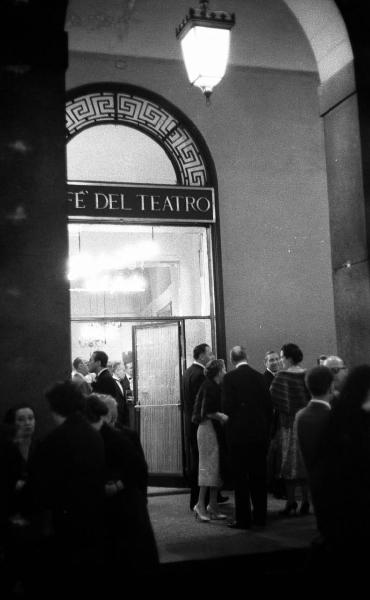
34 301
345 111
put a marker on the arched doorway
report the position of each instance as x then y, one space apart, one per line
143 252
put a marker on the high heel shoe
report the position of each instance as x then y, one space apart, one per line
305 508
291 507
200 516
214 514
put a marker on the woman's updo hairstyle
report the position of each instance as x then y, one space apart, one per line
293 352
214 367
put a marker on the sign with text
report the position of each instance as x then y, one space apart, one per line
140 202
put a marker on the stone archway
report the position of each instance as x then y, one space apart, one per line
327 34
339 101
100 103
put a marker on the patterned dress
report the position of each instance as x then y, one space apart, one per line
289 394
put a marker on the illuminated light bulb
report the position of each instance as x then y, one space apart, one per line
205 41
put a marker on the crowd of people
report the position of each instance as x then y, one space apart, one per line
298 433
73 505
77 500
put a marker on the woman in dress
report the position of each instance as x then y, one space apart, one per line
207 412
19 425
289 394
16 447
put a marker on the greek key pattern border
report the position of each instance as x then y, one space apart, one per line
144 114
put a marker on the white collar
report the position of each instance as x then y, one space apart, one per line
100 372
318 401
244 362
198 363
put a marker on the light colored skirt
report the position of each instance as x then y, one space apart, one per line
209 455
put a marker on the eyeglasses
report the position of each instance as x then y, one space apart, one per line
336 370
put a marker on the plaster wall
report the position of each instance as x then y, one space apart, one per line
266 138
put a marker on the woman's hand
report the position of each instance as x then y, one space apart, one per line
113 487
218 416
223 418
19 485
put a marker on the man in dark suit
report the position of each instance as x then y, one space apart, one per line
311 422
66 482
123 385
104 382
80 370
193 379
272 365
248 404
276 484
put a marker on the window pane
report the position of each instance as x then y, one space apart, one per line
117 153
197 331
130 271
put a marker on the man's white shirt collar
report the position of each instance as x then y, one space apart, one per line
116 379
198 363
321 402
100 372
244 362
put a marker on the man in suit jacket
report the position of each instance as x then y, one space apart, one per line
272 365
193 379
248 404
80 370
276 484
104 382
66 480
311 422
339 372
122 383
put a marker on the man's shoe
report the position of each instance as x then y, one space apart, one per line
236 525
222 499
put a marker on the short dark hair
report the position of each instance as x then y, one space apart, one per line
65 398
213 367
95 408
101 356
200 349
77 361
238 353
293 352
9 417
318 380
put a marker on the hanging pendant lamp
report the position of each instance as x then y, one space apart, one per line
205 41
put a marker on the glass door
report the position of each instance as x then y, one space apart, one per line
157 368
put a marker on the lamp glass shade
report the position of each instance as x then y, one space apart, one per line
205 51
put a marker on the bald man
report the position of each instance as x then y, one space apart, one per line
339 371
247 402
